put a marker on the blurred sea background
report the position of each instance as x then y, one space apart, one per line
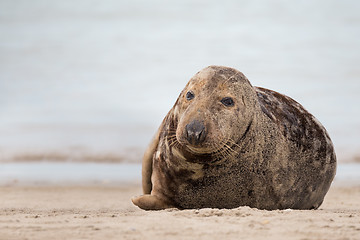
85 84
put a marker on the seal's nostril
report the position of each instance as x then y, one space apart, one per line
195 132
198 134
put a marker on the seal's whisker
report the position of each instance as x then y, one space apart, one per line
172 139
233 143
227 152
171 136
173 142
230 150
224 154
224 151
169 131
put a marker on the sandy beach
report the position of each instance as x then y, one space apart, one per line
95 212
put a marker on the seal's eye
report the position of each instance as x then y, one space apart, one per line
227 101
190 95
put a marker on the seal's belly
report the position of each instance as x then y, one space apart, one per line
229 190
239 185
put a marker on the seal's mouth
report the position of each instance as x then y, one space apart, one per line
212 155
215 150
200 150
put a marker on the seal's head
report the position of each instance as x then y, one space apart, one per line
214 109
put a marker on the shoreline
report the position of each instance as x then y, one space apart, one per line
109 174
130 155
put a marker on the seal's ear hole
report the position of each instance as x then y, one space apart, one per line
228 101
190 95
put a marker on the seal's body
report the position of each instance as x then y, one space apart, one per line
227 144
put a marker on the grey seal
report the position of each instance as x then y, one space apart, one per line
226 143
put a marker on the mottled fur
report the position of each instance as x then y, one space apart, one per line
266 151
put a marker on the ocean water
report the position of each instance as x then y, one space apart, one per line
91 80
105 174
69 173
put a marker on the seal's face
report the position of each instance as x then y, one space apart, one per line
214 109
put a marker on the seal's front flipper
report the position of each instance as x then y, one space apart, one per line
150 202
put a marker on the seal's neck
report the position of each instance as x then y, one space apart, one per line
248 141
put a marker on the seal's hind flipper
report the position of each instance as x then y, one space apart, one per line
150 202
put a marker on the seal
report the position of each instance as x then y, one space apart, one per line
226 144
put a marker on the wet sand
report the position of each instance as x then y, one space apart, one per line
95 212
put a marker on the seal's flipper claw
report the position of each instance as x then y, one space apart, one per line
150 202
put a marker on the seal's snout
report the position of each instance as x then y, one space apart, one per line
195 132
